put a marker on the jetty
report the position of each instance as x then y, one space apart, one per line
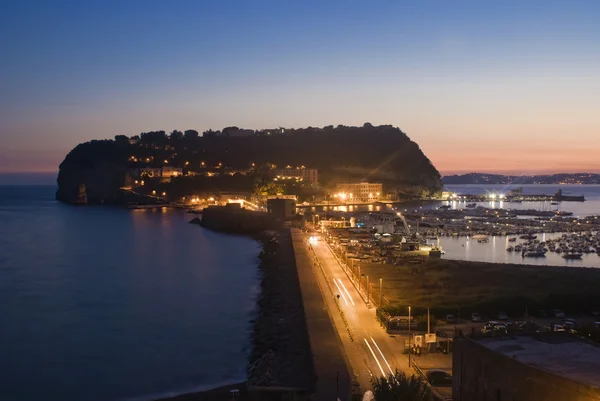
519 196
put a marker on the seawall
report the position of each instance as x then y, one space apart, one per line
233 219
280 361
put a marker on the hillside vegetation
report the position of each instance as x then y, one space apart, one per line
368 153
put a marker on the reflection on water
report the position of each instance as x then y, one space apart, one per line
466 248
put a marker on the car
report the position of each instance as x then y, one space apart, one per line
558 313
502 316
475 317
438 377
494 327
557 327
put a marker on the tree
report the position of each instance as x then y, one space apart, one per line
400 387
176 135
154 137
190 135
122 140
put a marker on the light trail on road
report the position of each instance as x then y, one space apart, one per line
341 292
385 360
349 296
374 356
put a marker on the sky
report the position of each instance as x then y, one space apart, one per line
500 87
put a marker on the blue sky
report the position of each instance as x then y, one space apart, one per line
509 86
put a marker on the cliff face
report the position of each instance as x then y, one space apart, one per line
92 173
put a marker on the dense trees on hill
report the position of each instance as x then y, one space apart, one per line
381 153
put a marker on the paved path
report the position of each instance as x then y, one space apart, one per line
369 350
333 379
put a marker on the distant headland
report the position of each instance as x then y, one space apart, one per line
369 163
492 179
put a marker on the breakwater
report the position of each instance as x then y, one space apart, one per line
233 219
280 362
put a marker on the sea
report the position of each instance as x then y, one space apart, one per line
463 248
104 303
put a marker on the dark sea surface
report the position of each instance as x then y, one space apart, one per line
102 303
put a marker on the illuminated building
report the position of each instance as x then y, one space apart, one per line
363 192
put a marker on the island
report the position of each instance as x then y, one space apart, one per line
366 164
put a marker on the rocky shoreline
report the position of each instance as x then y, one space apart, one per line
281 355
280 362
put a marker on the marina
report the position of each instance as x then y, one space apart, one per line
529 232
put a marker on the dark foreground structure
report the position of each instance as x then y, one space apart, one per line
540 367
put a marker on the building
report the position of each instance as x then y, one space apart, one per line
158 172
308 175
168 172
152 172
539 367
363 192
283 209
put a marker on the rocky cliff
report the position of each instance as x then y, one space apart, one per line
92 173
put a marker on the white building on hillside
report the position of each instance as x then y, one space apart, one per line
309 175
359 192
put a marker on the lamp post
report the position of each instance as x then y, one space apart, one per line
367 289
380 292
359 276
409 337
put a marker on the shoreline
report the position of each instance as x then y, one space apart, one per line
219 393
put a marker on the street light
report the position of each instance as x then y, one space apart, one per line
380 292
409 337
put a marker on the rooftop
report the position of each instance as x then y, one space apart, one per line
557 353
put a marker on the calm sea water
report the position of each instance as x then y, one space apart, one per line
101 303
495 251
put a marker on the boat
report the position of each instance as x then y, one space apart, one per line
563 213
514 239
528 236
445 207
533 254
436 252
471 205
554 203
572 255
510 249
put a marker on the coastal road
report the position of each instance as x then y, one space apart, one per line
372 352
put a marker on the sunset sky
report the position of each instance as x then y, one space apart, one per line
503 86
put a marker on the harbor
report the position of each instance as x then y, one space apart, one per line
494 231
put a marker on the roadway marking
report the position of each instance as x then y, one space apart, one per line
341 292
385 360
351 300
374 356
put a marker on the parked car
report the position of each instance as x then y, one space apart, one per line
558 313
475 317
438 377
502 316
494 327
570 326
557 327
